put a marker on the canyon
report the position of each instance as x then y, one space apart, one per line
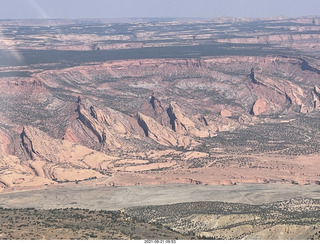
222 102
158 121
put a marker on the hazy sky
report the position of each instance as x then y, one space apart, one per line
12 9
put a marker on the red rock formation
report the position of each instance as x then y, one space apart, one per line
180 123
18 86
183 125
259 107
162 134
156 104
116 116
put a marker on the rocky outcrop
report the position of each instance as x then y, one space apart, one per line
27 144
60 154
289 99
316 98
27 86
259 107
304 109
316 90
252 77
156 104
90 121
155 109
179 122
161 134
102 130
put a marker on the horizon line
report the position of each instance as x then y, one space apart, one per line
194 18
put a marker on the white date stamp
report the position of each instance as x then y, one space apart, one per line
160 241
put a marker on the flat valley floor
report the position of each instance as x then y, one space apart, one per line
115 198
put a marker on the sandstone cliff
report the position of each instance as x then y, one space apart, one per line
183 125
162 134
